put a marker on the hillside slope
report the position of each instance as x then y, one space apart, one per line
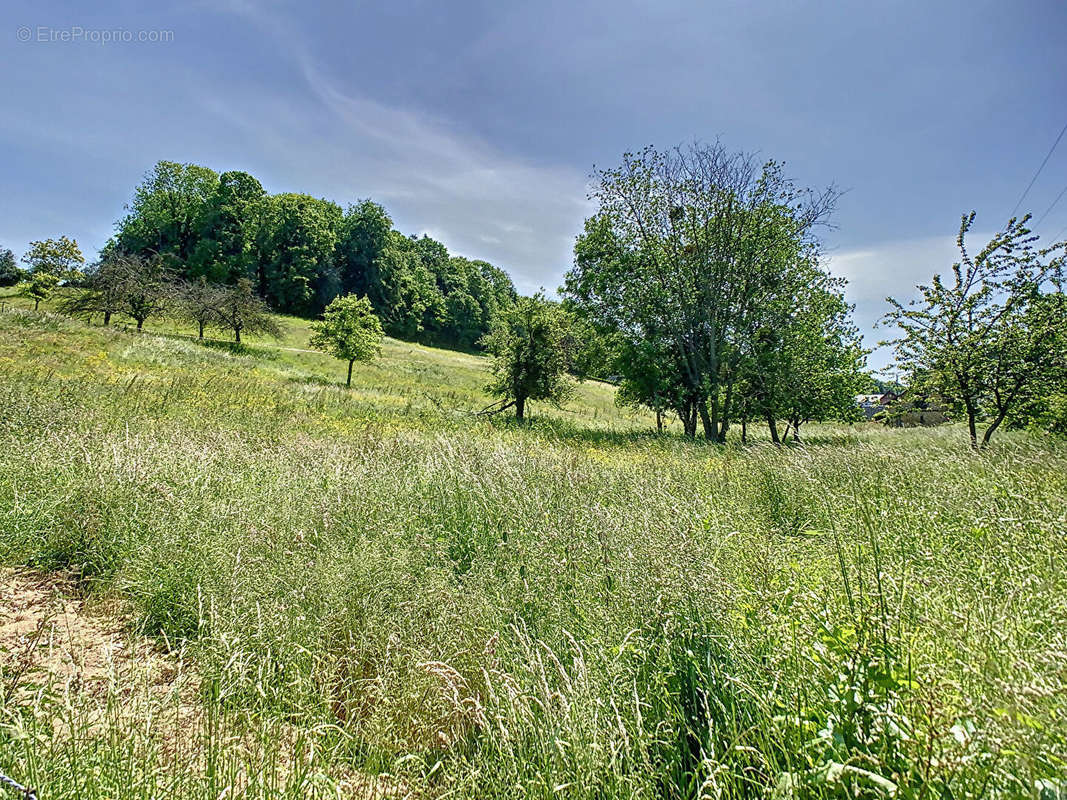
376 582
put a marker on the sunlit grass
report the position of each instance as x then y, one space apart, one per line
576 608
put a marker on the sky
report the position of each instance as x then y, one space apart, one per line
479 123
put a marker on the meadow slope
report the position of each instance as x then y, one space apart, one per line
377 591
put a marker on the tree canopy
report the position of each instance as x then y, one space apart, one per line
989 339
300 252
527 343
687 251
348 330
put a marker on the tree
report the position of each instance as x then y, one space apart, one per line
104 288
240 310
649 379
10 274
144 287
402 289
348 330
527 343
59 257
226 236
38 286
685 246
297 243
984 339
364 234
802 359
198 301
166 213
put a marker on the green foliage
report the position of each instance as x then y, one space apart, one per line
38 286
530 358
10 274
59 257
570 609
301 252
296 244
166 213
687 246
227 230
349 330
990 340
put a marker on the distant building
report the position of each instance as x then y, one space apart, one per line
871 404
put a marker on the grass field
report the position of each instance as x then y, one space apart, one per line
375 591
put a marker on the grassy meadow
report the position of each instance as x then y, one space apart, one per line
376 592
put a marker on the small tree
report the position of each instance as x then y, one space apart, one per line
983 340
143 286
59 257
10 274
105 285
38 287
528 345
349 330
198 302
241 310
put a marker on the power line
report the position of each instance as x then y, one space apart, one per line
1059 197
1034 179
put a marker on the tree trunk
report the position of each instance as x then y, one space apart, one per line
36 303
744 430
237 335
796 430
201 330
772 424
140 324
659 421
520 408
992 428
972 426
348 383
107 318
706 421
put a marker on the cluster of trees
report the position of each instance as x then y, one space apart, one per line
700 280
299 252
142 288
990 342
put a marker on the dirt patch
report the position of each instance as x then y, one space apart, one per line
74 666
50 642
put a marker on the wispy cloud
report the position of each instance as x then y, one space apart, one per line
432 175
891 269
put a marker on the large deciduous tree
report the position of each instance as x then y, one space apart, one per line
348 330
985 339
10 274
528 345
363 237
684 247
167 211
226 235
297 242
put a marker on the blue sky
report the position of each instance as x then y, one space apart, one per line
479 122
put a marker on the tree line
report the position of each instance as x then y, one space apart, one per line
299 252
698 287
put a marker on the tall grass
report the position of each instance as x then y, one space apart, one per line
571 609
